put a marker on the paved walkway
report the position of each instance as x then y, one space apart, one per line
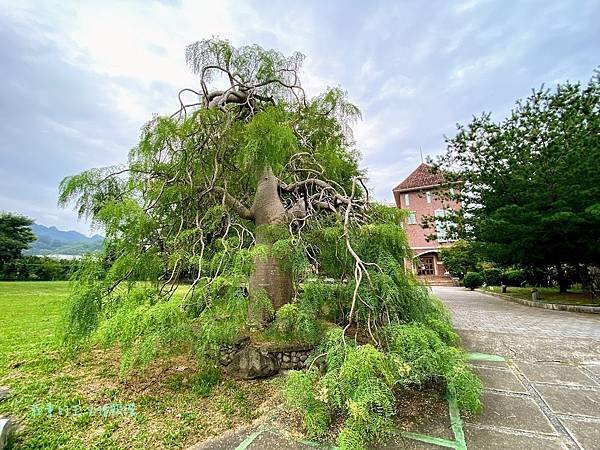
541 392
547 392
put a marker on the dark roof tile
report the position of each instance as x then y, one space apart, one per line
420 177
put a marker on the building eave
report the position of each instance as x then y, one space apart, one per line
419 188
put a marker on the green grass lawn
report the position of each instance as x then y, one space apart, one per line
83 402
549 295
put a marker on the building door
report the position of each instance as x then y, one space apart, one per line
426 266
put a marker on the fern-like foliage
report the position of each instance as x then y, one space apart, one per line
359 381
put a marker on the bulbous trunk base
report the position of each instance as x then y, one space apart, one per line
268 282
268 279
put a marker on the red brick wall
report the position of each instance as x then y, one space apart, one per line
418 204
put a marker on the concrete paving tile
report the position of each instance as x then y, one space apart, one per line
587 434
496 440
503 380
520 413
569 400
554 373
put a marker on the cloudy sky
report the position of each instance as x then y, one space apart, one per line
79 78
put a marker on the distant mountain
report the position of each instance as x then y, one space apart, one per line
51 240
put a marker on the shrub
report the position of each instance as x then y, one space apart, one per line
299 391
492 277
359 380
427 357
443 329
473 280
513 277
293 323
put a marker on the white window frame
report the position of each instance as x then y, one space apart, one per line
412 218
406 199
440 227
428 196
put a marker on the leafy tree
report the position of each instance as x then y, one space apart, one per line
492 276
473 280
251 192
251 161
15 236
38 268
460 258
530 185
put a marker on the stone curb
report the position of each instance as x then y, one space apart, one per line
554 306
7 428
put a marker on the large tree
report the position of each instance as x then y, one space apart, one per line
250 194
530 183
15 236
250 148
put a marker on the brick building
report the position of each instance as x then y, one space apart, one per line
417 195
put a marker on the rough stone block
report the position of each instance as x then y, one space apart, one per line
7 427
251 363
4 393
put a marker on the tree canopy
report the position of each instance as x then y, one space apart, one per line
530 184
245 214
15 236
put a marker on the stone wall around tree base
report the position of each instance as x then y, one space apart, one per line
247 360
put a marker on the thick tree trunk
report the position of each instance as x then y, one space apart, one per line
268 277
584 277
563 282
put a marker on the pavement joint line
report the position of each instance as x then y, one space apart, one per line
572 436
573 387
515 431
508 393
579 417
504 391
595 378
543 405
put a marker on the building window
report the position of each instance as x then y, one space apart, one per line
412 218
406 199
440 226
428 196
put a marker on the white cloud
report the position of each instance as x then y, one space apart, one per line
414 71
